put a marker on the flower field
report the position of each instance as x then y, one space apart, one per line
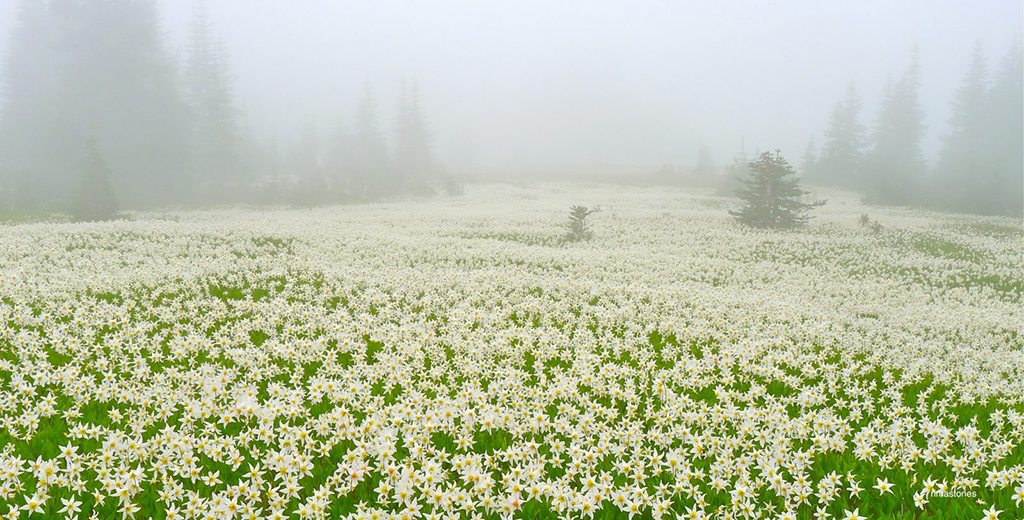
449 358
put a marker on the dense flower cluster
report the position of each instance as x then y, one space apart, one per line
444 359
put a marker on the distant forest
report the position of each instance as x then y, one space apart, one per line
93 102
92 81
980 168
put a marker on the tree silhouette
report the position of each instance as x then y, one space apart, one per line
772 195
843 150
895 165
370 163
32 162
578 228
213 117
94 197
414 158
1001 177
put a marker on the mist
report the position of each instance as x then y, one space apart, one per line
604 88
547 84
556 84
558 260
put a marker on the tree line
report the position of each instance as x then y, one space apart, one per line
980 168
95 106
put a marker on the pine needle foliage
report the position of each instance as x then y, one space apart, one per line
772 195
578 228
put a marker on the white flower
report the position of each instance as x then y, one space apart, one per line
71 506
883 486
991 514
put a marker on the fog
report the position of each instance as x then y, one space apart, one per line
517 259
537 83
597 87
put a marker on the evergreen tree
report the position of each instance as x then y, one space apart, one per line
772 195
1001 179
214 126
843 149
961 161
895 166
94 197
735 172
578 229
119 82
307 166
414 158
371 169
78 68
339 163
32 167
809 163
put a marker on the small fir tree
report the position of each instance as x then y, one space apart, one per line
773 196
578 228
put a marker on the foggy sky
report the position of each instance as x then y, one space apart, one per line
574 85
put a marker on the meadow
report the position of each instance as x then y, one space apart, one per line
451 358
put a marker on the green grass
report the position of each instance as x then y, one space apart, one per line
230 297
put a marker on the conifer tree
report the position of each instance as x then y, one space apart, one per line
32 166
735 171
843 149
962 160
772 195
895 166
99 68
213 117
338 158
93 197
371 169
578 229
414 159
809 163
1002 177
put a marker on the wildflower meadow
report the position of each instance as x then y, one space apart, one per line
455 358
